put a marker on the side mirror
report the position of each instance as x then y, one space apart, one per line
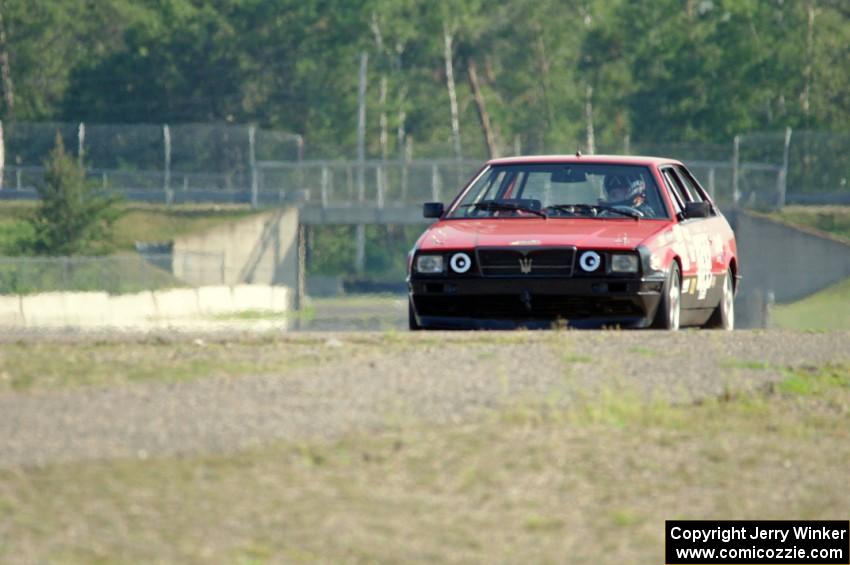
432 209
697 210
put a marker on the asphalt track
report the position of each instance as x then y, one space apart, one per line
387 379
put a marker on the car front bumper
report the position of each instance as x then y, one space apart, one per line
516 302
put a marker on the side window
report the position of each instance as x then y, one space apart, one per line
695 187
679 195
690 184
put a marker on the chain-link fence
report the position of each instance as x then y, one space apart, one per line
116 274
170 163
232 163
375 183
814 169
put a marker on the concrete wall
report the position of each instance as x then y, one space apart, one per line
783 263
78 309
262 249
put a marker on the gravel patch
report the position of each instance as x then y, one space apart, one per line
389 379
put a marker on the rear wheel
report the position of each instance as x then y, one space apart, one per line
411 317
723 317
669 309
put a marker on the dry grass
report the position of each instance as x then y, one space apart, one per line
529 483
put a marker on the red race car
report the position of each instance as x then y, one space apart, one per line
581 241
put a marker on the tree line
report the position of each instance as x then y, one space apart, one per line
467 77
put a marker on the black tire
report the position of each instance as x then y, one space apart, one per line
668 315
723 317
411 317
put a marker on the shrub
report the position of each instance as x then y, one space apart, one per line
73 216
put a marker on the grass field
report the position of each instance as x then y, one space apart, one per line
828 309
525 484
831 219
137 222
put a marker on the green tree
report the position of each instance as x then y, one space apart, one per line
73 217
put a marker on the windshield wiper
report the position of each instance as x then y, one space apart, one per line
594 209
494 205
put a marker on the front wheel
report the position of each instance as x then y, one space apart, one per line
669 309
723 317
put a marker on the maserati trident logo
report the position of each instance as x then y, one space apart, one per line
525 265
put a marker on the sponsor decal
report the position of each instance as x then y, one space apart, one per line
702 251
680 245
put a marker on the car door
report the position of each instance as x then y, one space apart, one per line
720 236
700 288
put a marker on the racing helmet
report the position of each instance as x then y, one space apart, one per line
621 190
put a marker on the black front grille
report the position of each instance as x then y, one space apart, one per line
543 262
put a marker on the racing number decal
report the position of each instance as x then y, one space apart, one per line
696 250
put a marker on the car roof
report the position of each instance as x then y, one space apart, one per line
607 159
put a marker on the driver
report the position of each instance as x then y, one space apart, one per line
622 191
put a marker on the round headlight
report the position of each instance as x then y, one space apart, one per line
589 261
460 263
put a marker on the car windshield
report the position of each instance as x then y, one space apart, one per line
580 190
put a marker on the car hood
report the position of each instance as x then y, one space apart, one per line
528 232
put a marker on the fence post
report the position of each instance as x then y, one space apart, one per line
300 276
435 183
406 159
380 177
767 308
252 158
81 142
360 231
325 183
736 156
783 173
360 250
361 127
166 177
